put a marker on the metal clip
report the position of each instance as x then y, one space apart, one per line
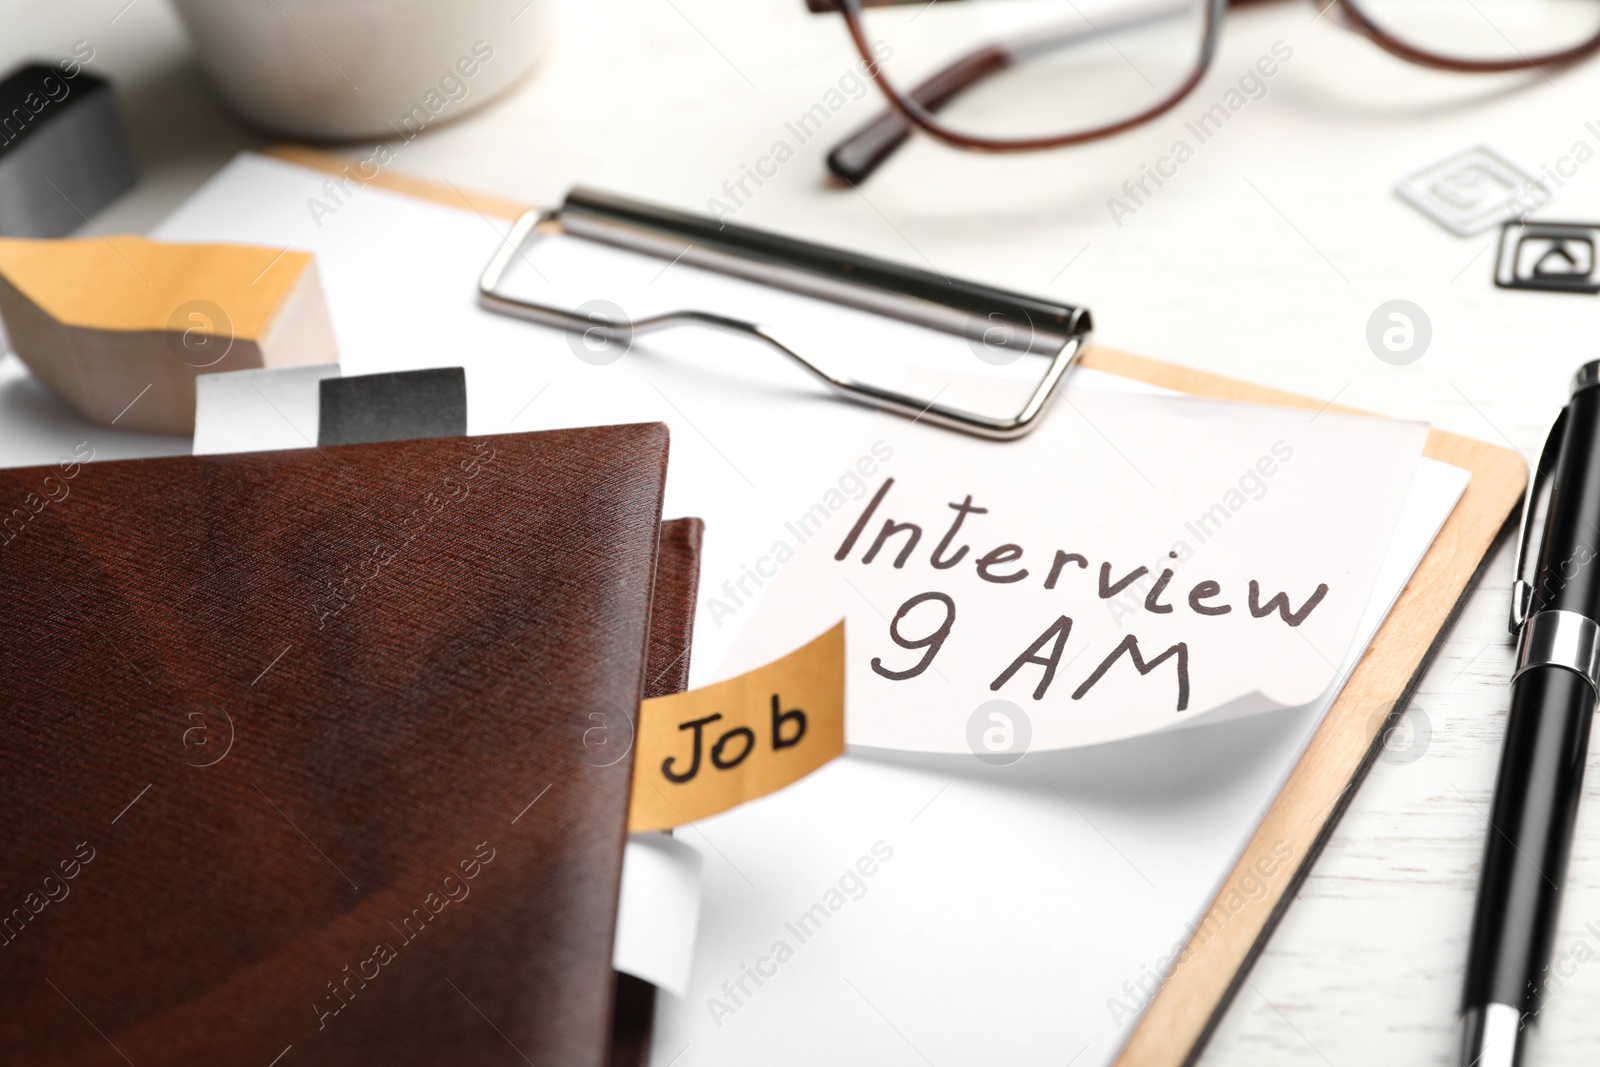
1521 588
1056 331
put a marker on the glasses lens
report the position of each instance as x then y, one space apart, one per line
1021 69
1491 31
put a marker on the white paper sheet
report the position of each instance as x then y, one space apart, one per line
1050 573
1015 902
1027 910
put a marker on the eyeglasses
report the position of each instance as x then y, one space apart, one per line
1012 75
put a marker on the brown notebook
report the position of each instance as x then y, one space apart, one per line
299 760
671 627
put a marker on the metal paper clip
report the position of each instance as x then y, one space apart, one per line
1057 331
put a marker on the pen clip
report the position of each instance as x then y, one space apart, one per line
1521 588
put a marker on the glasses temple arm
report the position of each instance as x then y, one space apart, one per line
863 151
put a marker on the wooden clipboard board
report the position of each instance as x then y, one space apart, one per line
1175 1027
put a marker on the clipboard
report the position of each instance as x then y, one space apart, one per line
1191 1002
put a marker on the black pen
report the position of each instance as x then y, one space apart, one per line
1553 696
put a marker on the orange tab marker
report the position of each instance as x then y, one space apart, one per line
705 751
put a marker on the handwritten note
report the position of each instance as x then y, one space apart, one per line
1140 562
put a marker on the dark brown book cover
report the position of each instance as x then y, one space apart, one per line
672 617
671 631
294 763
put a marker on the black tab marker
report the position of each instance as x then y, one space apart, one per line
399 406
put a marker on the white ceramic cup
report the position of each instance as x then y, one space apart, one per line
341 69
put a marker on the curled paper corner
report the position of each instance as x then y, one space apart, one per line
702 752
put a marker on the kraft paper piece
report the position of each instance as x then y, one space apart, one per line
120 327
705 751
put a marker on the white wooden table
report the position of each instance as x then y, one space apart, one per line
1262 258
